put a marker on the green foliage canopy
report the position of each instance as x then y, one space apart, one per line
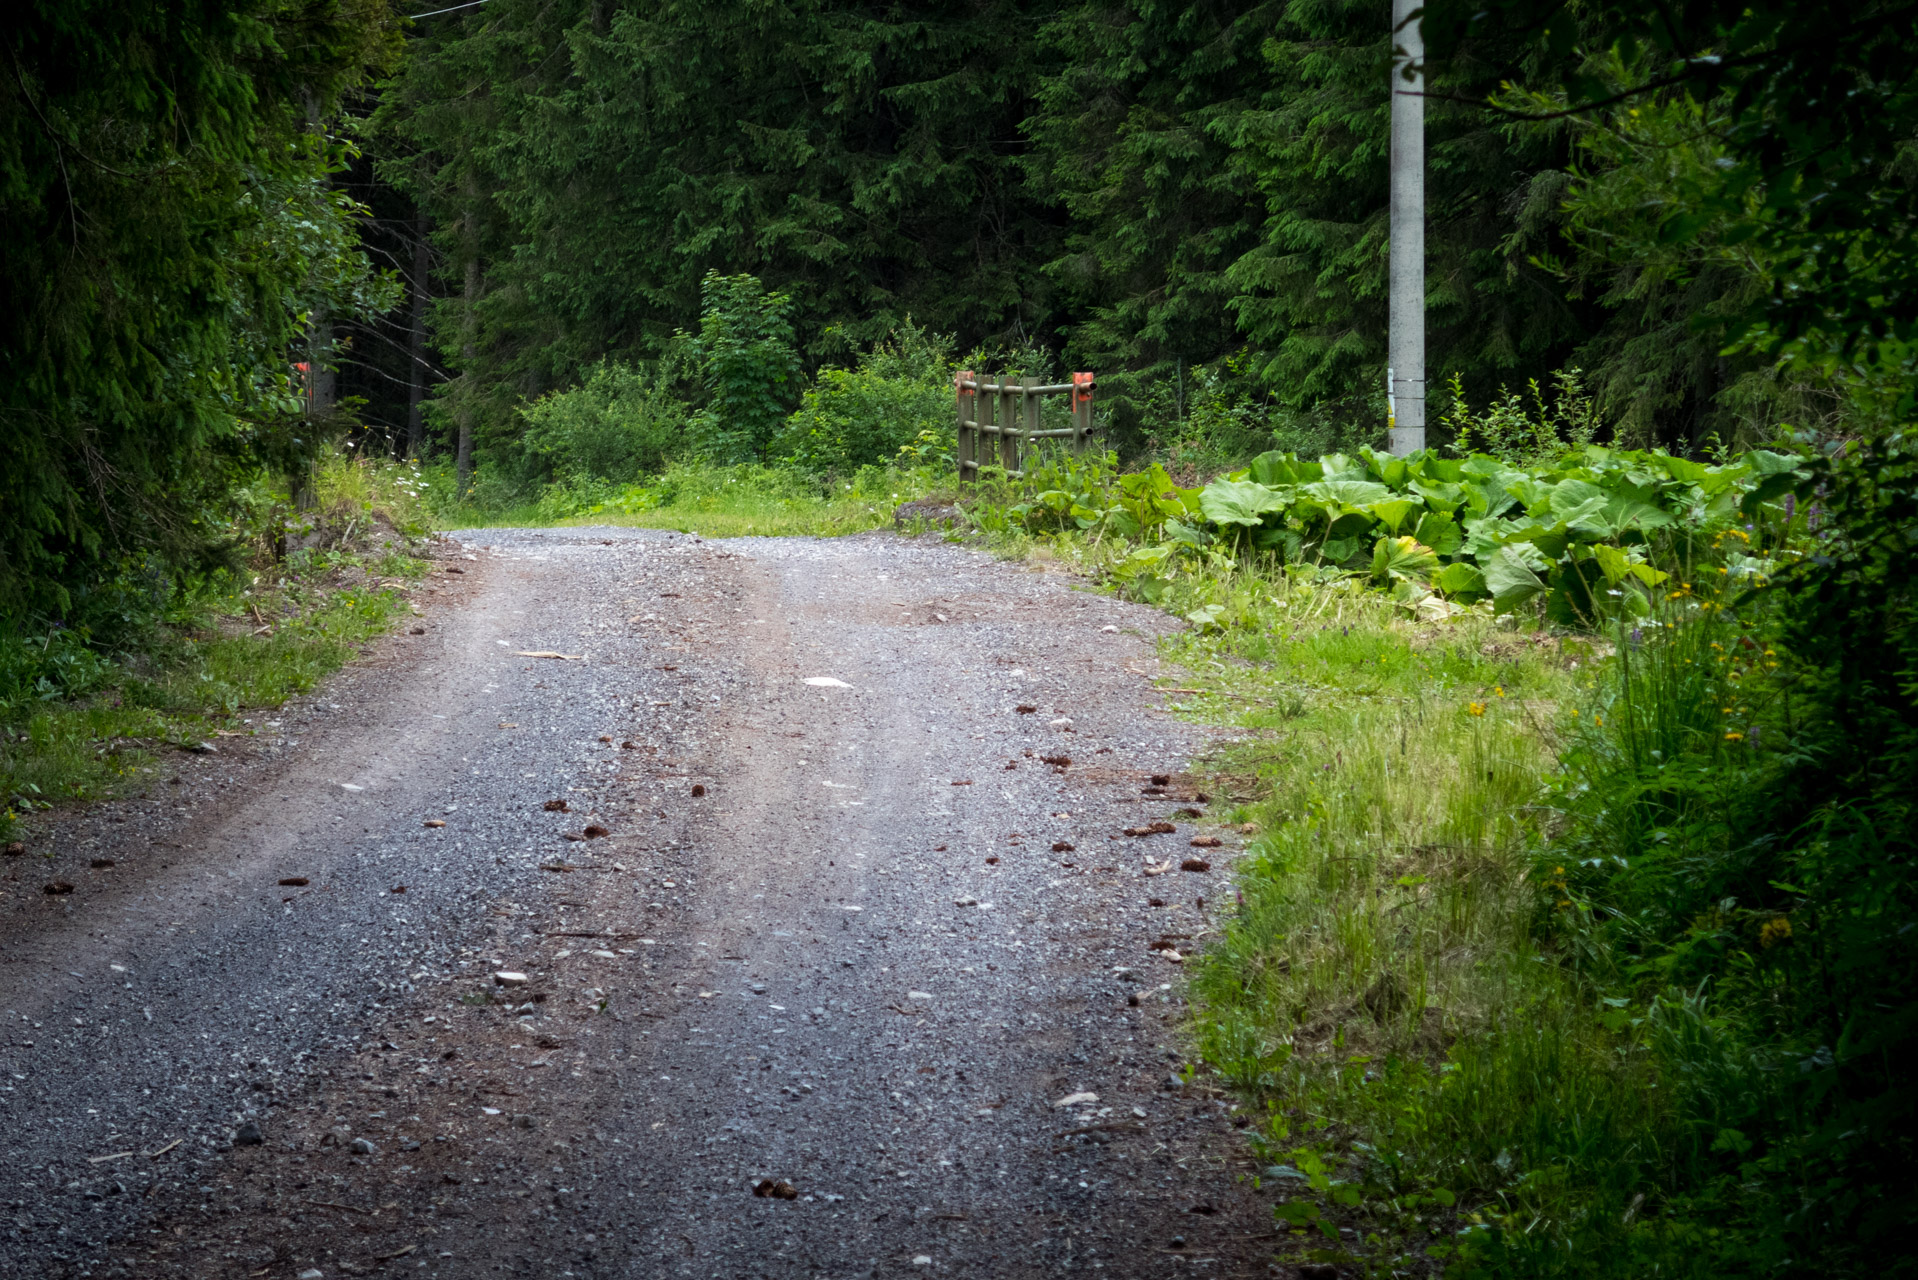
164 232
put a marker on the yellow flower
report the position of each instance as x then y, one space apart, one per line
1776 930
1574 713
1734 737
1499 689
1599 721
1476 708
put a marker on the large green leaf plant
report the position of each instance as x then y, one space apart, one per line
1578 535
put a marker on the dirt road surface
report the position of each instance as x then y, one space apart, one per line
369 993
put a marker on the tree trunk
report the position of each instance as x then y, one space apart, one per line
416 344
469 356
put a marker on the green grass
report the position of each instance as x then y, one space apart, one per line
1425 1063
84 719
713 501
190 684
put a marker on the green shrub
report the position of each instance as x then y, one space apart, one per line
865 416
749 361
618 424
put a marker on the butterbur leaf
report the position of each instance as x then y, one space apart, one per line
1403 559
1349 492
1460 579
1240 502
1206 617
1440 532
1180 532
1510 580
1393 512
1339 550
1439 495
1276 468
1616 564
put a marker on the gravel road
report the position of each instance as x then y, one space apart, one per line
858 981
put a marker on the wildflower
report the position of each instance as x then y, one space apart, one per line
1776 930
1734 737
1499 689
1599 721
1475 708
1574 713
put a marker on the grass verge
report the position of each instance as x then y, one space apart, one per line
713 501
85 716
1565 957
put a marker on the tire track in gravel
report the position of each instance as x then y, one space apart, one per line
803 955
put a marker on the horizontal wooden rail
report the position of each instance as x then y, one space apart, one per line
1050 388
1007 409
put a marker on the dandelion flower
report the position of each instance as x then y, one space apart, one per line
1475 708
1734 737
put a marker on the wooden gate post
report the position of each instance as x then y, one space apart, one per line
1007 417
1081 411
1029 425
966 453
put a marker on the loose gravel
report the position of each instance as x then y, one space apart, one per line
860 979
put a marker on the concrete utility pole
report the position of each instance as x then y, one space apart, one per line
1405 317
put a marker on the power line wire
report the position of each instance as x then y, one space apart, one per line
437 12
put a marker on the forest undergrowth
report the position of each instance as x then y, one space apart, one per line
156 662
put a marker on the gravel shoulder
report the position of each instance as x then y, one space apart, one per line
856 943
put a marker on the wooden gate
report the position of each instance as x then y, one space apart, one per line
999 420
